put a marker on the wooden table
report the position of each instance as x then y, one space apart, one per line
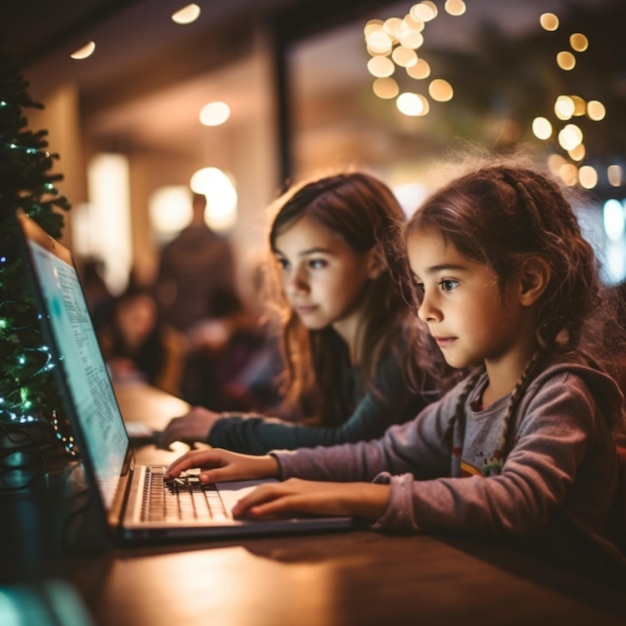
355 577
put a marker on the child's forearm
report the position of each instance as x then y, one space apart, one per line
368 500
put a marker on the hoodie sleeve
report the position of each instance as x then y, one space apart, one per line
562 456
417 447
370 419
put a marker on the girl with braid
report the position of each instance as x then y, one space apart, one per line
525 446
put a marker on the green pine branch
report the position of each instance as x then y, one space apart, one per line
27 181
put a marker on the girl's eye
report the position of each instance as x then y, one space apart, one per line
447 284
283 263
317 264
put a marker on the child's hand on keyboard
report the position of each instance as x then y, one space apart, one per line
217 465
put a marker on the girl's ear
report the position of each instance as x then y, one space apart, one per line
535 275
375 264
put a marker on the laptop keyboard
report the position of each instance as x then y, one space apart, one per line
184 498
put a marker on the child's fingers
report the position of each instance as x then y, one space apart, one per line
259 495
220 474
270 500
194 458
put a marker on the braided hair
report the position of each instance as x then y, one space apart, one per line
500 215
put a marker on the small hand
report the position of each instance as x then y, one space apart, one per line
194 426
297 496
221 465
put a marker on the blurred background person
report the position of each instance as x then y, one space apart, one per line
194 265
138 345
233 358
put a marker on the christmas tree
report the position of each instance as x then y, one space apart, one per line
28 393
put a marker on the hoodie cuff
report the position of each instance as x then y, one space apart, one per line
399 514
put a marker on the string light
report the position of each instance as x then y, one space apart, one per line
542 128
564 107
380 66
393 42
455 7
595 110
570 137
566 60
614 174
385 88
549 21
420 70
440 90
578 42
577 153
588 176
27 390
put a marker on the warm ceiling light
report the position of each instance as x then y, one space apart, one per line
549 21
187 14
214 113
170 210
84 52
217 186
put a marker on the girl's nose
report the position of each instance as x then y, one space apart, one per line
295 282
427 310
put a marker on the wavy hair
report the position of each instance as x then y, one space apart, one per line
364 212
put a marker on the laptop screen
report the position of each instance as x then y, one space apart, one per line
94 403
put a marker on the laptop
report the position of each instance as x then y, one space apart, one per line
132 499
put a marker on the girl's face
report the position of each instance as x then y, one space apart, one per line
323 277
469 315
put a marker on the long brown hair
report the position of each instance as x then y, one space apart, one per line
362 210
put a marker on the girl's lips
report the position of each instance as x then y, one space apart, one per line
444 342
303 310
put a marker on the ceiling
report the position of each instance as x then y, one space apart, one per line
149 77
